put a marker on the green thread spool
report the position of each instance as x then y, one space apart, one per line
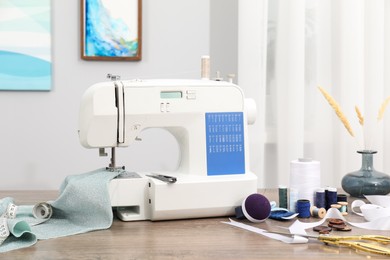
283 197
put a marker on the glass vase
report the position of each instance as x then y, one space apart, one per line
366 181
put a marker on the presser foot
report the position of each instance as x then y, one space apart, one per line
114 169
112 166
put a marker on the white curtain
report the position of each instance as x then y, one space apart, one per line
289 48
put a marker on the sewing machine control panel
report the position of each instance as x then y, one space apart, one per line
167 97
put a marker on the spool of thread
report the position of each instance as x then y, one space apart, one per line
317 212
283 197
303 208
320 201
305 177
205 67
336 206
343 208
343 198
331 197
293 200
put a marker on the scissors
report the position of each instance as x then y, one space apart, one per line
354 242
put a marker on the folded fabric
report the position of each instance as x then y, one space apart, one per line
281 213
83 205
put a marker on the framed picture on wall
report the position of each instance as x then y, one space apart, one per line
25 45
111 29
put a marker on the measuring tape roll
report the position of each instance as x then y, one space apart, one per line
42 210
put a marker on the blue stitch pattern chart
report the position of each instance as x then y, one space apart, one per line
225 143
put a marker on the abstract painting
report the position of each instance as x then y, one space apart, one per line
111 29
25 45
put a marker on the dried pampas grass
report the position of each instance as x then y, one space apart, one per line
337 110
383 108
360 116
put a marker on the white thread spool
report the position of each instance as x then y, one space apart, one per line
205 67
293 199
305 178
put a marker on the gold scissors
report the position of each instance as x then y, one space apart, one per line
355 242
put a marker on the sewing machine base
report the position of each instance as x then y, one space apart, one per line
135 196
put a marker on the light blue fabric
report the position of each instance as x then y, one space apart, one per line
83 205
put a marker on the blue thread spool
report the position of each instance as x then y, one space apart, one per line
320 201
303 208
330 197
341 197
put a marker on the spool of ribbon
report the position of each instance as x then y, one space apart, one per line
377 209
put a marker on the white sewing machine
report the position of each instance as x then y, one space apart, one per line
208 119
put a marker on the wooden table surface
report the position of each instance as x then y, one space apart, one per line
176 239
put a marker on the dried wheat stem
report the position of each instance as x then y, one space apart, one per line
337 110
383 108
359 115
361 122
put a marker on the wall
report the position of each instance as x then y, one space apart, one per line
38 130
224 38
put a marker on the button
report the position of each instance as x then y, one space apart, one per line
191 96
162 107
168 107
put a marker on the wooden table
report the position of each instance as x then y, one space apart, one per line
176 239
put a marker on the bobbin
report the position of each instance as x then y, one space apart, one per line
317 212
336 206
343 208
